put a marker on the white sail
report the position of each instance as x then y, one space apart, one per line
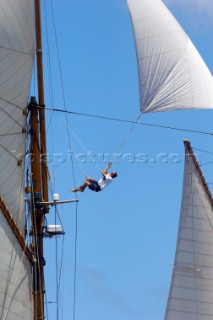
16 299
191 293
16 60
172 75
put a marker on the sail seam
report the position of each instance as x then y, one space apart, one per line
18 51
10 103
179 273
189 312
192 288
197 229
190 300
200 265
195 252
8 151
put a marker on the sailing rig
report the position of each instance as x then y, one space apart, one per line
22 263
190 295
172 76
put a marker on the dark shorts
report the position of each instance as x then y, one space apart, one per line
94 186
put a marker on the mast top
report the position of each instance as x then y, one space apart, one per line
189 151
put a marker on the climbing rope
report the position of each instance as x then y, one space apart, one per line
127 136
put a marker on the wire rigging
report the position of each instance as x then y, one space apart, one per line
127 136
83 146
207 152
72 148
130 121
204 151
56 266
72 164
75 262
51 96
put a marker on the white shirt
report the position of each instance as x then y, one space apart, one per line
105 181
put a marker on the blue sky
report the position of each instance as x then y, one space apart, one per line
127 234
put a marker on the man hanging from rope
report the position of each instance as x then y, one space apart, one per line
98 185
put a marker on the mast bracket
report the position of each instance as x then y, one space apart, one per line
42 261
32 132
39 51
32 104
40 207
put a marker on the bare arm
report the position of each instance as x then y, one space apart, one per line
104 172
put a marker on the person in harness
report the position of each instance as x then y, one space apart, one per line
97 186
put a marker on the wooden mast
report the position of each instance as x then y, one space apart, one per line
41 99
39 173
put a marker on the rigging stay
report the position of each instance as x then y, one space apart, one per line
130 121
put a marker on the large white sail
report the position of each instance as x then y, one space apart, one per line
191 293
16 60
172 75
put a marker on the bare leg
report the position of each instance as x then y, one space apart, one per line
83 186
89 179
